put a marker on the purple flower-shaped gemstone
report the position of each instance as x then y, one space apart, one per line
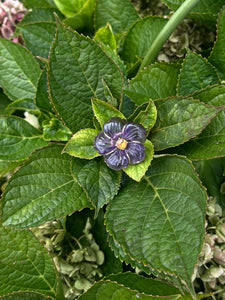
121 143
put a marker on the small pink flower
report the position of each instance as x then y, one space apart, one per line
11 13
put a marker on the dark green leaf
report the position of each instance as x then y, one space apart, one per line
144 285
18 138
39 3
25 296
4 102
42 190
38 29
25 265
82 144
209 144
217 56
42 96
54 130
162 224
212 95
75 80
19 71
205 10
179 120
100 182
158 81
139 38
119 14
211 174
196 74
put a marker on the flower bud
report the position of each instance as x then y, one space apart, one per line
220 232
219 256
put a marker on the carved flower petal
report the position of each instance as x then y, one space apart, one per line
117 160
114 126
134 132
135 152
103 144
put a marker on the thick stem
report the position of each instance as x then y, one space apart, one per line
167 30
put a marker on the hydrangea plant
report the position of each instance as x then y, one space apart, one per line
106 154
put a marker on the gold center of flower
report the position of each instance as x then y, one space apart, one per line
121 144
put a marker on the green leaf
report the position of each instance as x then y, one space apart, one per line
39 3
111 265
8 166
83 18
54 130
157 81
82 144
19 71
162 224
38 29
147 117
209 144
136 172
25 296
42 97
26 104
70 7
179 120
217 56
139 38
196 74
144 285
104 111
212 95
105 36
128 286
75 80
119 14
204 10
100 183
18 138
211 174
4 103
25 264
44 188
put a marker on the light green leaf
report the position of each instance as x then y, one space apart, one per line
105 35
204 10
54 130
212 95
119 14
44 188
162 224
179 120
217 56
147 117
18 138
209 144
70 7
82 18
25 265
104 111
157 81
38 29
100 182
75 80
19 71
136 172
82 144
139 38
196 74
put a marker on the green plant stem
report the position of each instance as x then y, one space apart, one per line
167 30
